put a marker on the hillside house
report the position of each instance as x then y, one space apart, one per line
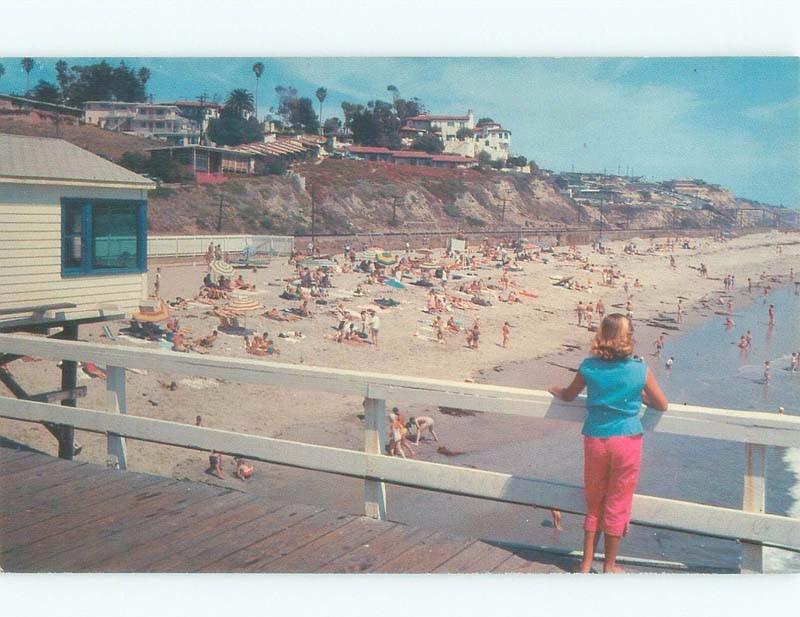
73 230
209 161
163 122
199 112
489 136
410 157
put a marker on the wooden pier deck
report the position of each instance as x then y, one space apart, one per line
65 516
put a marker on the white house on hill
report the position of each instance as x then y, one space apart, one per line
490 137
73 229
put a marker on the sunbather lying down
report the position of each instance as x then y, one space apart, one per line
275 314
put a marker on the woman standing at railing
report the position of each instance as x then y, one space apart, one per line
617 385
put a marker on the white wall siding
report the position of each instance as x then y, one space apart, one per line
30 252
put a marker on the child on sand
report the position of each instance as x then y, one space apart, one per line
617 387
422 424
506 332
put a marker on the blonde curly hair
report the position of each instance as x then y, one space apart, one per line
614 338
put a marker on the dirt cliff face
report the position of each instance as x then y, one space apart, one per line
358 196
355 195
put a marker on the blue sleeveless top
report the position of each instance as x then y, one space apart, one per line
614 396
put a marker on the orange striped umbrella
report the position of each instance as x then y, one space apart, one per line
222 268
240 305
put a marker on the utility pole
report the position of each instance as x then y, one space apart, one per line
219 218
394 212
313 220
503 214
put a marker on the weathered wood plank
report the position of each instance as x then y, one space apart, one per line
313 556
71 488
426 556
226 512
118 530
257 556
151 538
237 538
29 550
479 557
370 556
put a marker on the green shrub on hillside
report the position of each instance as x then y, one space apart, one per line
476 221
452 211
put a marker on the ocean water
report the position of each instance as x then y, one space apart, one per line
710 369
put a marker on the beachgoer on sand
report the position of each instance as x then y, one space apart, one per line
506 332
374 327
617 386
215 463
243 469
157 283
422 424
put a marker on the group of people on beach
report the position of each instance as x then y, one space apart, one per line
399 438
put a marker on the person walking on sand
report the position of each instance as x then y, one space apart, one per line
589 313
579 309
374 327
680 310
600 309
506 332
157 283
617 386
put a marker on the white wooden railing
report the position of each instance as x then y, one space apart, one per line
189 246
750 525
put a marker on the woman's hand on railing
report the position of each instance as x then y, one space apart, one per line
557 391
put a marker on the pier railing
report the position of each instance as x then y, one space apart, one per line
750 525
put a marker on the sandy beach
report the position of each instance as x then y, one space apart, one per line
545 339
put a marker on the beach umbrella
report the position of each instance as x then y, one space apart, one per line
221 268
242 306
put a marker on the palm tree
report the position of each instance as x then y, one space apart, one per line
144 75
321 94
27 66
240 101
258 69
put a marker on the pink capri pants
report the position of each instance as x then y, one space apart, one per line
610 474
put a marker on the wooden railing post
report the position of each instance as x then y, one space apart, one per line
115 398
755 478
375 443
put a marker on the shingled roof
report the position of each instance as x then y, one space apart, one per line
43 160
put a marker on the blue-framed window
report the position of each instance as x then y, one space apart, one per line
103 236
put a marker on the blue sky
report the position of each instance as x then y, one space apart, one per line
733 121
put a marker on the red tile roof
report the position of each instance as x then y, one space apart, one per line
410 154
427 117
452 158
369 150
